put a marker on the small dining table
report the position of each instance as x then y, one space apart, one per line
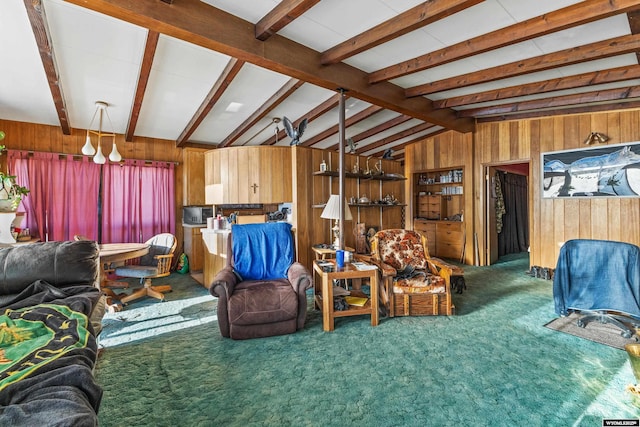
116 252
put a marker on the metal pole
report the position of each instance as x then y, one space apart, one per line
341 169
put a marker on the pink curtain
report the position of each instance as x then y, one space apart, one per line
63 197
138 200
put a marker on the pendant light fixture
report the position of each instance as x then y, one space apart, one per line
88 150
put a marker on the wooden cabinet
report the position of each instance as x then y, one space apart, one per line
439 194
428 229
439 197
248 175
193 247
193 177
449 239
215 254
429 207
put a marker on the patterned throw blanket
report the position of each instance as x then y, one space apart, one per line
48 353
33 337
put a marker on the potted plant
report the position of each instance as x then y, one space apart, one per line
11 193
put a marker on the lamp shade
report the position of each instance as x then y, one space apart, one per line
99 158
332 209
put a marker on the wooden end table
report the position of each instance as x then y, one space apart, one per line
324 295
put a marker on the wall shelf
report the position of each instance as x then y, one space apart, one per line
363 176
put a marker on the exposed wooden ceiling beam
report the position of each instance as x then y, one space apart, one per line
399 147
558 101
201 24
414 18
623 105
281 16
38 20
318 111
381 127
398 120
228 74
570 82
575 55
143 79
403 134
356 118
276 99
634 24
577 14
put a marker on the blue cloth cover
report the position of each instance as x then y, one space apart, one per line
597 275
262 251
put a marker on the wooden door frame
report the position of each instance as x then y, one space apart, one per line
487 223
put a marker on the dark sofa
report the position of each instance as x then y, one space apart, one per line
50 314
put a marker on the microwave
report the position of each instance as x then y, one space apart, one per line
193 215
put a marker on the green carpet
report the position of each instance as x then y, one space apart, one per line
492 364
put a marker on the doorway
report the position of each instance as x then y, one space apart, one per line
506 210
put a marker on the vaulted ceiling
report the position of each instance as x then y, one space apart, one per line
223 73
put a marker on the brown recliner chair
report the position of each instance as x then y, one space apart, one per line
262 290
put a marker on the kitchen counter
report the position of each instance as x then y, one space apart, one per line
193 225
215 254
215 240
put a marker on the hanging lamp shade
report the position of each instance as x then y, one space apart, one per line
99 158
87 148
115 155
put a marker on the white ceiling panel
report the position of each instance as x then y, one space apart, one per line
524 9
103 64
24 91
303 100
251 11
252 87
604 29
470 22
181 77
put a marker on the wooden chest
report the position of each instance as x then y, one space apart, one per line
421 305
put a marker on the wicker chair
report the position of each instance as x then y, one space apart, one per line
412 284
155 264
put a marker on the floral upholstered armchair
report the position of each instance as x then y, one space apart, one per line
411 283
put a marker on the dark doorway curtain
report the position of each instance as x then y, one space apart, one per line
514 237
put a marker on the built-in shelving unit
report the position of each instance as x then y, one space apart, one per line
366 177
439 213
374 190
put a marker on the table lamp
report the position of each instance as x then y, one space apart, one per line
332 211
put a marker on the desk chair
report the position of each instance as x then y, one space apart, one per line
155 264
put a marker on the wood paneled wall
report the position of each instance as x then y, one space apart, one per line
33 137
554 221
447 150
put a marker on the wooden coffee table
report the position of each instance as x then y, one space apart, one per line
324 293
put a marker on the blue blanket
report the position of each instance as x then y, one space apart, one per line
597 275
262 251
